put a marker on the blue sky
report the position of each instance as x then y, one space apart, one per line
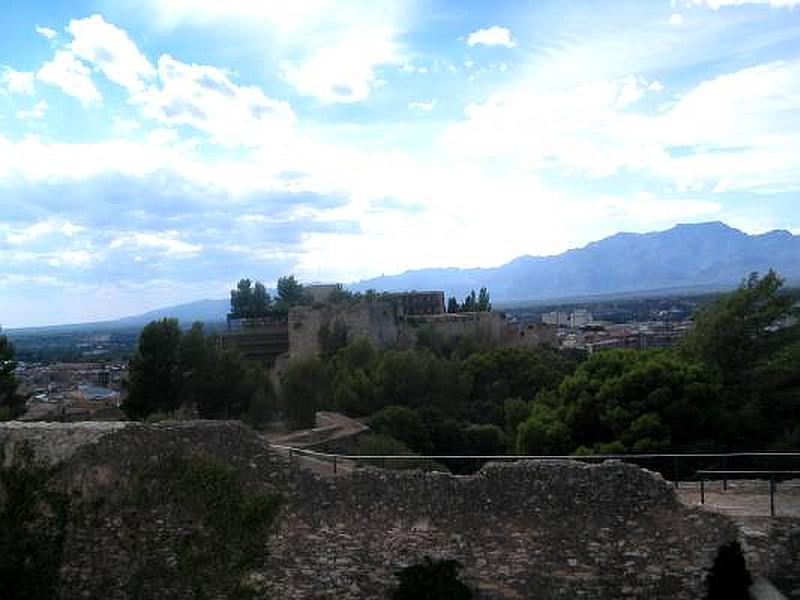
155 151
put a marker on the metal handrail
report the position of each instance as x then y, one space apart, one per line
773 485
515 457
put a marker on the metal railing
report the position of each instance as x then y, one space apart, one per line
774 478
692 470
675 467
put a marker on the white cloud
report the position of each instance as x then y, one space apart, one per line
16 82
655 86
41 229
492 36
46 32
205 98
326 49
739 131
70 258
631 91
676 19
37 111
345 71
425 106
111 51
167 242
71 75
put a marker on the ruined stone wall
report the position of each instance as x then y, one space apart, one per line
487 326
526 530
374 321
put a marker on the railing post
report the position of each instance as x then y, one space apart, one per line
725 474
334 464
771 496
675 471
291 455
702 489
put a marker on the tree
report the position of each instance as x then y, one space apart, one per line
470 303
249 300
262 302
544 433
154 379
452 305
402 423
242 299
290 293
739 329
11 403
226 387
305 388
484 305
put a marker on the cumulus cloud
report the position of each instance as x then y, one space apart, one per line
332 51
69 74
205 98
676 19
109 49
737 131
345 71
41 229
16 82
46 32
169 242
492 36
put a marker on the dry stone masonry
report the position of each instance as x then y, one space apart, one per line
528 530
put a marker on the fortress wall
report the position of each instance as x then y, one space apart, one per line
525 530
374 321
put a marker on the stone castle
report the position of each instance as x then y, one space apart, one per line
387 320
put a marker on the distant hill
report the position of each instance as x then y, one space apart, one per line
207 311
687 258
704 256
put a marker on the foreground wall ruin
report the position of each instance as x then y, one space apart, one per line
525 530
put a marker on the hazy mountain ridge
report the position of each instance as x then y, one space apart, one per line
705 255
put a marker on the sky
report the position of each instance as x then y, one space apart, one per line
153 152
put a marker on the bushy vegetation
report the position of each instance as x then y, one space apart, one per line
11 403
235 518
733 383
175 372
32 524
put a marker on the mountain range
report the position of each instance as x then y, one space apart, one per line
706 255
701 257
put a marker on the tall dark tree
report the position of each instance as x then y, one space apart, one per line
242 299
741 328
305 388
470 303
452 305
290 292
154 378
11 403
484 303
262 302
